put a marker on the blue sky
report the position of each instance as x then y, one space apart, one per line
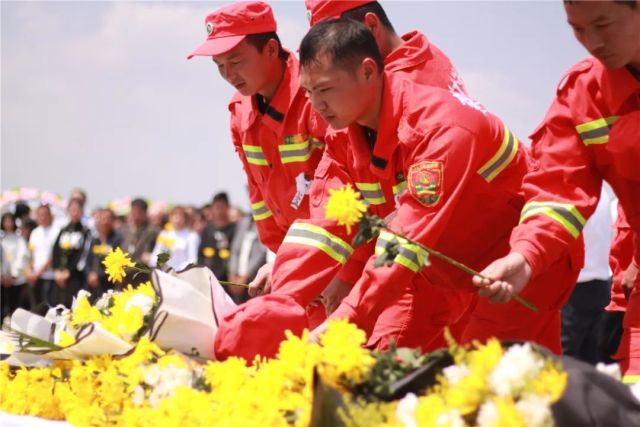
100 94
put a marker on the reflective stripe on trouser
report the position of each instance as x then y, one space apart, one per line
596 131
255 155
565 213
319 238
501 158
409 254
371 192
260 211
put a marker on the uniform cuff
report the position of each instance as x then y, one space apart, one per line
351 271
530 253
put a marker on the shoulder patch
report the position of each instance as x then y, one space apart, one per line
573 72
425 181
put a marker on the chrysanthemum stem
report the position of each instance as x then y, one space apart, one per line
242 285
472 272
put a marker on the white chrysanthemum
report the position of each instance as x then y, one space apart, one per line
536 410
171 377
105 299
451 419
137 397
456 373
406 410
518 365
611 369
488 415
143 302
635 390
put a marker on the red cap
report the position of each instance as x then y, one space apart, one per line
319 10
257 327
228 26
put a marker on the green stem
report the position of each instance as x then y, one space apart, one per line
466 269
222 282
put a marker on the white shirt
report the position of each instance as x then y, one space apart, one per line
598 233
41 244
14 257
182 247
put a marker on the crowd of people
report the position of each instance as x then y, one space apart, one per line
47 260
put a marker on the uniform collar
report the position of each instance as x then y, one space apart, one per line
618 86
414 51
387 136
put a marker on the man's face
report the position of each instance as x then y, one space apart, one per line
104 222
339 96
609 31
219 212
244 67
43 216
137 216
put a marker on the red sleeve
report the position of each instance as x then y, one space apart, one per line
314 250
562 191
270 233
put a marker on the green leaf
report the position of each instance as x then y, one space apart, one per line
162 259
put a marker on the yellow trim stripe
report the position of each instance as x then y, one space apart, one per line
502 158
260 211
566 214
319 238
371 192
409 255
630 379
596 131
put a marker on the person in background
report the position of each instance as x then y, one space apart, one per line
582 314
69 256
39 272
107 240
216 237
139 235
178 241
14 261
247 256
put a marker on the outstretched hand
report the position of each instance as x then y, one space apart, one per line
510 275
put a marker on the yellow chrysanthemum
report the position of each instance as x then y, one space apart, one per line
551 382
345 206
115 263
84 312
66 339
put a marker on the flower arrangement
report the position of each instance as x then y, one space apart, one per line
486 385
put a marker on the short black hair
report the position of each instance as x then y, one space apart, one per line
260 40
141 203
22 209
220 197
347 42
631 3
13 220
360 12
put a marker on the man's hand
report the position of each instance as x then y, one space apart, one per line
314 336
510 273
92 279
261 285
32 278
333 294
628 279
61 277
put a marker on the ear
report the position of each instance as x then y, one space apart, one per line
369 68
372 22
272 48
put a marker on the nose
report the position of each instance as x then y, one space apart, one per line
317 103
593 40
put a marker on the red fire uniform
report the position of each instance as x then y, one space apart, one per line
619 260
591 133
280 145
462 170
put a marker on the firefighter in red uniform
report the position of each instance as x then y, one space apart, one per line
274 130
411 55
591 133
462 169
